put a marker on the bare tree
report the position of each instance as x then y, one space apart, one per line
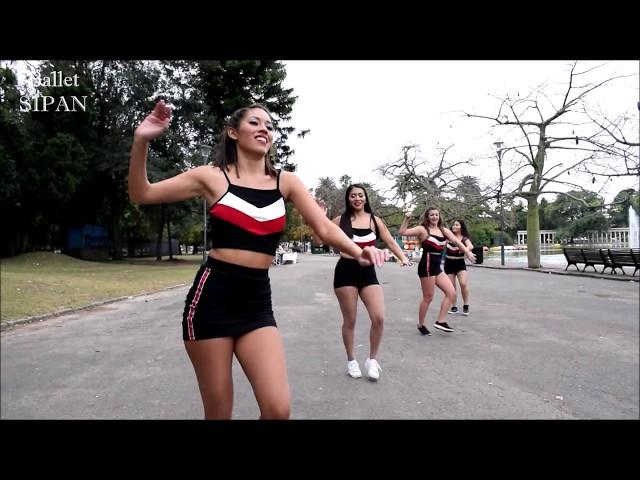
544 154
614 145
418 183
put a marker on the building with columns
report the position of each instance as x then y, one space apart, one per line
614 237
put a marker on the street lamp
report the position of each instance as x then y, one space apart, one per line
205 151
499 151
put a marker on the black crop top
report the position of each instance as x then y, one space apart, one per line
454 250
247 218
434 243
363 237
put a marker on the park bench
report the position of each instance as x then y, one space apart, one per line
625 258
590 257
596 256
608 258
573 256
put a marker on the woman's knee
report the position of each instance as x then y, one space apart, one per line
349 323
277 410
377 320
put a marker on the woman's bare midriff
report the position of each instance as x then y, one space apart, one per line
245 258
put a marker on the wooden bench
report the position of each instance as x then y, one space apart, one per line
596 256
624 258
590 257
573 256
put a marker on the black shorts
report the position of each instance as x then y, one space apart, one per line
453 266
429 265
349 273
227 300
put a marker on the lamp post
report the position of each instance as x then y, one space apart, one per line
499 151
204 150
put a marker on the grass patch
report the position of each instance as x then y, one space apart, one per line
43 282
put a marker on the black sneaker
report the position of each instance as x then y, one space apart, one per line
453 309
423 330
443 326
465 309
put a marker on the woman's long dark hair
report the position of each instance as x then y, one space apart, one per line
228 148
345 218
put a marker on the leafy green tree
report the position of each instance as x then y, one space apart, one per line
14 150
227 85
619 211
576 212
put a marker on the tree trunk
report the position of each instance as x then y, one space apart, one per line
159 234
169 237
533 232
131 247
117 238
23 242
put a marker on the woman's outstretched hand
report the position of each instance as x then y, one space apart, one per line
471 256
155 123
372 256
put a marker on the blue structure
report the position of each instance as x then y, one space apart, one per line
89 242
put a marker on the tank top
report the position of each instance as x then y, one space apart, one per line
454 251
247 218
433 243
364 237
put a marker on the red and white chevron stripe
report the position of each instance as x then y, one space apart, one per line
257 220
364 241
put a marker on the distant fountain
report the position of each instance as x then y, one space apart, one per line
634 232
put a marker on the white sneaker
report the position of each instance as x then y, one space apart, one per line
353 369
373 369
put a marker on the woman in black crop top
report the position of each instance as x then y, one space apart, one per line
455 267
228 308
352 280
434 236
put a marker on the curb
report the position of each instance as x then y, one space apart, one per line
6 325
570 273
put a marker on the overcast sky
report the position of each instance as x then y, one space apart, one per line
361 112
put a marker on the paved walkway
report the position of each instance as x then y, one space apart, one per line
536 346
